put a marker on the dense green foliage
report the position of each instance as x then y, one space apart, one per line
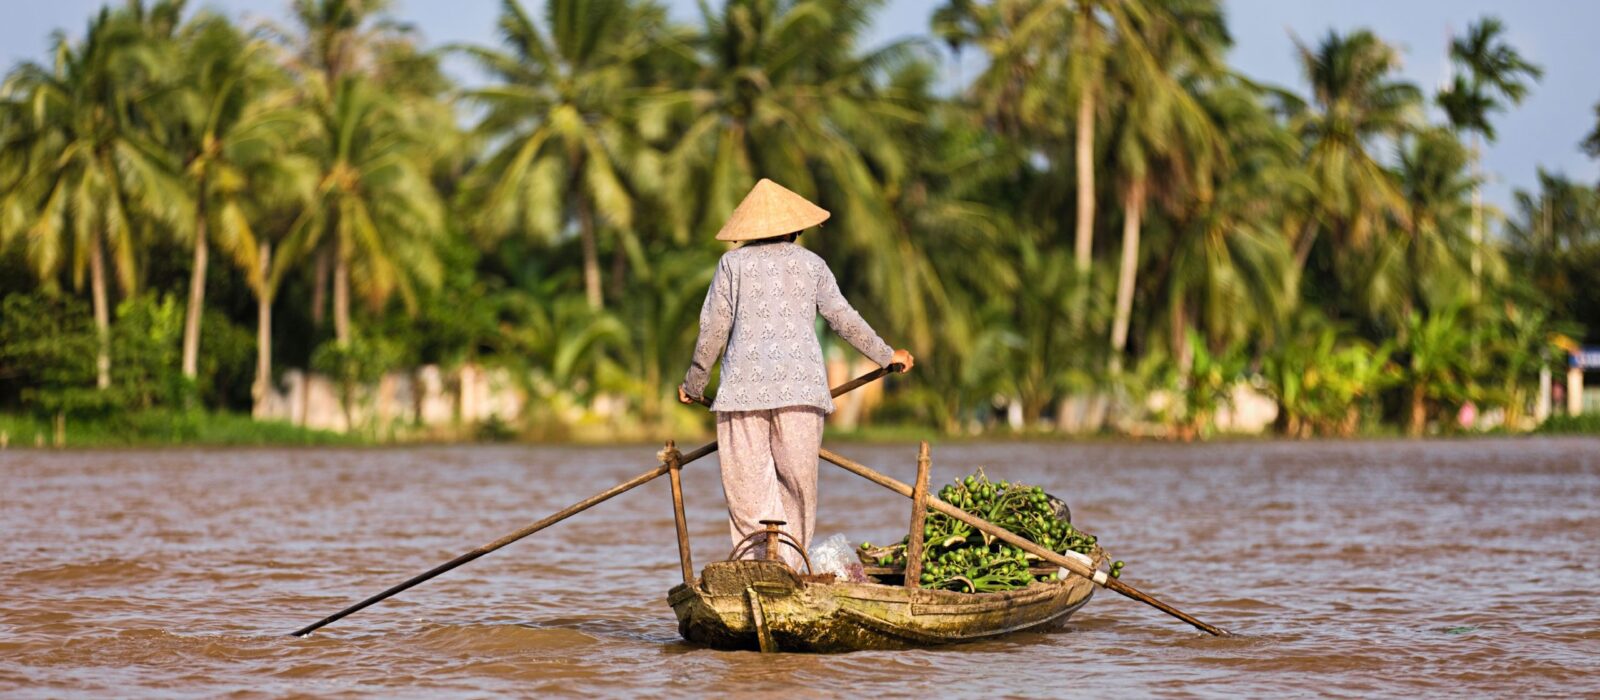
1106 215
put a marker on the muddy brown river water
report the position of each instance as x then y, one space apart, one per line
1352 569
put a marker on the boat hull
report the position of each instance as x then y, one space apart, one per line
734 601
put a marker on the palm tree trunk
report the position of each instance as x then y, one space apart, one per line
341 300
1083 240
591 255
102 314
1477 218
1181 352
1477 240
319 287
619 271
1419 411
1302 246
197 298
264 296
1132 219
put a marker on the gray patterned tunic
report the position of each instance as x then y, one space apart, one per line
762 305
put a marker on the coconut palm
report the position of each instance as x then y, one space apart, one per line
1047 354
1553 239
233 131
333 38
781 89
374 204
1356 100
1032 69
1167 140
91 170
559 112
1226 269
1436 257
1020 90
1491 70
328 40
961 180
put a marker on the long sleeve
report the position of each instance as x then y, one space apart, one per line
844 320
716 321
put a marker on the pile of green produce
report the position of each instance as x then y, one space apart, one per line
959 558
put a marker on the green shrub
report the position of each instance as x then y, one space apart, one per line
146 340
227 362
1586 424
166 427
48 349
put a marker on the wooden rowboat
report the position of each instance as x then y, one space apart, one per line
763 604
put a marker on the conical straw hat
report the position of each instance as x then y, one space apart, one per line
770 210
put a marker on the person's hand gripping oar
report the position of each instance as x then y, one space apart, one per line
564 513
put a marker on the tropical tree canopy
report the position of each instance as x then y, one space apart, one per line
1107 227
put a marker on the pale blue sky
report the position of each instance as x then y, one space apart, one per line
1558 34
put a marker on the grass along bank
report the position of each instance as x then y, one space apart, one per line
160 427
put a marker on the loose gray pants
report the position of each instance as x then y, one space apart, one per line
769 472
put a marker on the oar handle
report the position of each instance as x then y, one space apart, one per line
840 390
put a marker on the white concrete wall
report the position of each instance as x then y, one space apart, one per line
428 396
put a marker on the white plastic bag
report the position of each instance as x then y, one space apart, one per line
836 556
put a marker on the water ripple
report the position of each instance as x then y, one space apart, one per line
1350 569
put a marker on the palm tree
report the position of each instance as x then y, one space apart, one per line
91 169
559 112
234 140
1167 139
961 180
781 90
1437 255
1355 101
1031 69
338 37
374 204
1020 90
1491 70
376 212
1226 271
1553 241
331 39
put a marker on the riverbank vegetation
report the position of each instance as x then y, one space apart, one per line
1107 228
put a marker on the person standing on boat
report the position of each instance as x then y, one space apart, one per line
759 317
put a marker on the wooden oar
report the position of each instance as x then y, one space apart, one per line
1076 563
562 514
